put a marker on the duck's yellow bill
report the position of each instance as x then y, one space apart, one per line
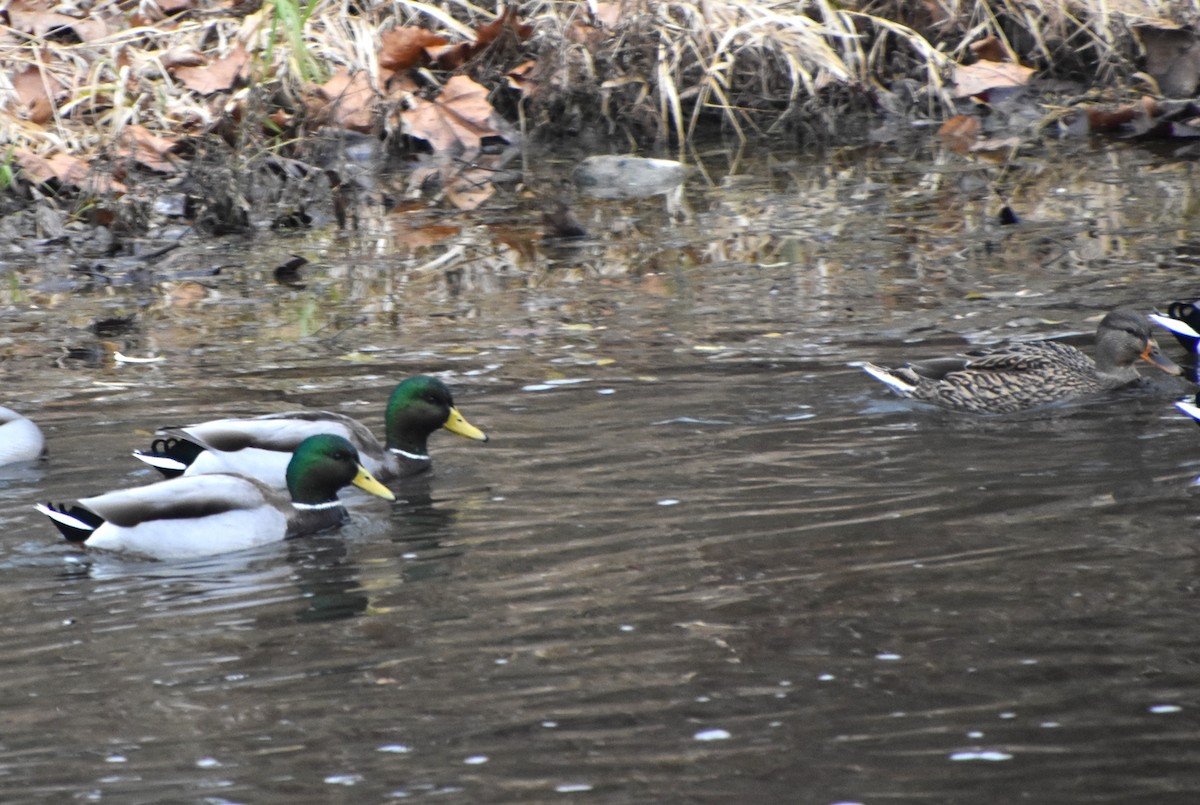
457 423
1151 355
367 483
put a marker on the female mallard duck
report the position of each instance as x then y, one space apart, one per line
20 438
209 514
1022 375
261 446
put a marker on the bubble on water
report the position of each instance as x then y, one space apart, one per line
1165 708
475 760
399 749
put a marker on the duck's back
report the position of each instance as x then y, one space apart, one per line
1012 378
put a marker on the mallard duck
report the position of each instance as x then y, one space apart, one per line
1182 319
209 514
1022 375
261 446
20 438
1191 408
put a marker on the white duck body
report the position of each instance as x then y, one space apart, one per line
20 438
214 514
274 438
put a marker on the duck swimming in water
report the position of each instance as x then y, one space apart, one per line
20 438
1026 374
183 518
1182 319
261 446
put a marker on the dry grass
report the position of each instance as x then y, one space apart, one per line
665 70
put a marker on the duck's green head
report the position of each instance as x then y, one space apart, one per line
323 464
419 406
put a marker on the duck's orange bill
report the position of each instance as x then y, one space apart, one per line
1151 355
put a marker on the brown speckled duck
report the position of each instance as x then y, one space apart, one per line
1017 376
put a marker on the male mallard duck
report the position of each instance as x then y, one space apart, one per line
261 446
1182 319
183 518
1030 373
20 438
1191 408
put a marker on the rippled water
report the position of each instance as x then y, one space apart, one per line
703 559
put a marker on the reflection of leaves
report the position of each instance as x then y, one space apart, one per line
959 132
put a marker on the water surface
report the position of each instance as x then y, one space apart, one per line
703 559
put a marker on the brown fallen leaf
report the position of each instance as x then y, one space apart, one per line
978 78
521 77
67 170
405 47
147 149
486 34
990 49
34 86
219 75
32 18
351 100
458 120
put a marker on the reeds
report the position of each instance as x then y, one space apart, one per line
650 70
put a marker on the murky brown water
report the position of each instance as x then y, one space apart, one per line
702 560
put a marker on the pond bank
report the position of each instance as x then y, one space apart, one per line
214 114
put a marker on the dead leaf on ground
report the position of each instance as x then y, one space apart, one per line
219 75
350 98
148 150
521 77
486 34
405 47
67 170
31 18
991 49
451 57
978 78
31 85
458 120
